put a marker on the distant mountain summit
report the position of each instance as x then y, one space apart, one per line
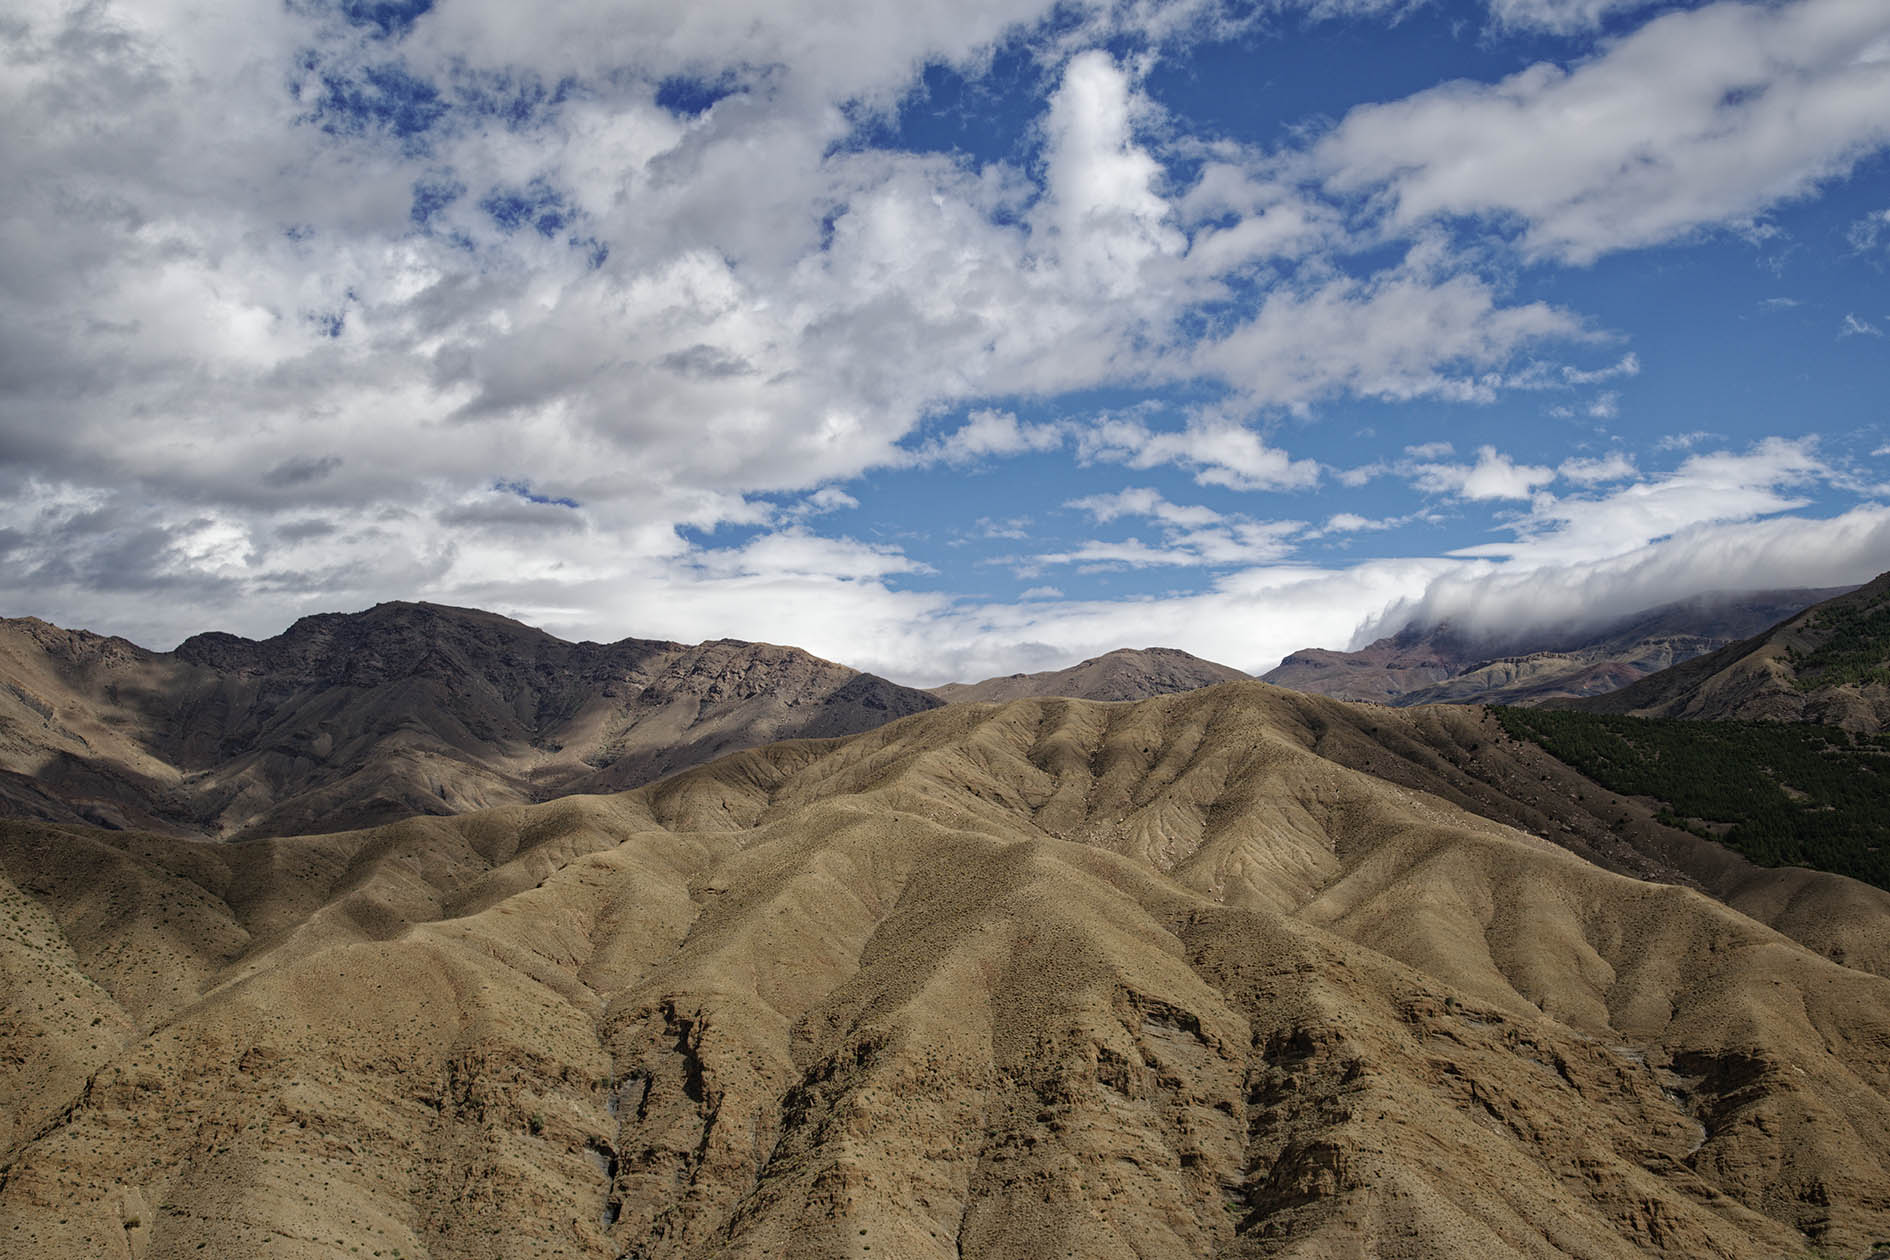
1445 665
1125 674
1828 664
352 719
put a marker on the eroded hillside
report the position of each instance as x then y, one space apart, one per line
1231 973
1829 664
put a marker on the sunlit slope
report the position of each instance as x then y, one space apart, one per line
1124 674
1829 664
1179 978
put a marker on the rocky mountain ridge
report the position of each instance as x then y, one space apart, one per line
1124 674
1829 663
350 719
1444 665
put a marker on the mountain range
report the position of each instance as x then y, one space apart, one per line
1442 664
1235 971
347 720
1238 972
1829 664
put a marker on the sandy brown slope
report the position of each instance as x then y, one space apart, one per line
351 719
1826 664
1442 665
1050 979
1125 674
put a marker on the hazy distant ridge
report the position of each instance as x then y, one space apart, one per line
1444 664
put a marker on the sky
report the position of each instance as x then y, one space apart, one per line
944 338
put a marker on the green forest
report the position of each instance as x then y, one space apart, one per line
1794 794
1855 643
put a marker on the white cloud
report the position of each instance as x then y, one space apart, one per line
1409 332
1102 219
1353 523
1362 474
259 360
1561 17
1855 327
1614 466
1493 476
1192 535
330 323
1218 451
1683 441
796 553
1628 365
1867 232
1517 599
1699 118
1140 501
1709 488
822 501
987 433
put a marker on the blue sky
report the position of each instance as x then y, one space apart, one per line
943 339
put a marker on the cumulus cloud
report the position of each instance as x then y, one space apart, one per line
1493 476
1408 332
1614 466
1707 488
823 501
1143 502
987 433
1701 117
309 263
1102 219
528 308
1218 451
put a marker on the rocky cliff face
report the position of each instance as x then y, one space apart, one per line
350 719
1235 973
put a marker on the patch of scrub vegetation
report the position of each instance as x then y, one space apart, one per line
1781 793
1855 647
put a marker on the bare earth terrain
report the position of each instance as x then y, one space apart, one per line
1236 973
354 719
1125 674
1829 664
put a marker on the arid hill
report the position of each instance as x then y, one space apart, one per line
1125 674
1233 973
1828 664
1442 665
346 720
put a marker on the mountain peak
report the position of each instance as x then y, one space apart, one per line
406 707
1124 674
